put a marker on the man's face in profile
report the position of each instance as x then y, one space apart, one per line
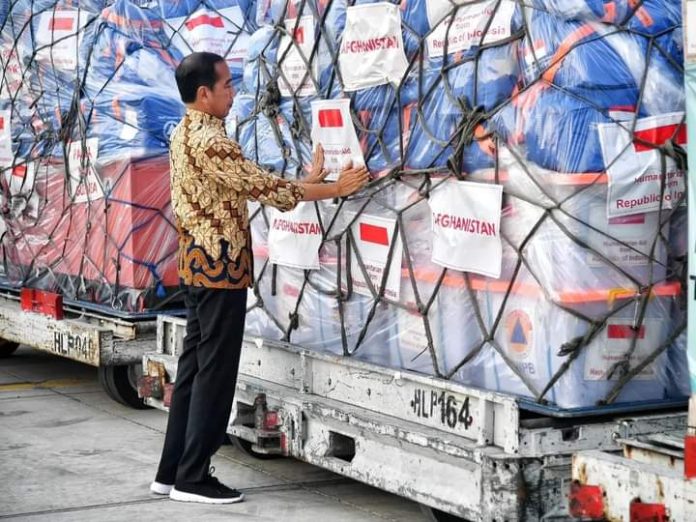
219 98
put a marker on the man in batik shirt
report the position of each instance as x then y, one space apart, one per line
211 183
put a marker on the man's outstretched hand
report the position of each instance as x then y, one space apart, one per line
318 172
352 179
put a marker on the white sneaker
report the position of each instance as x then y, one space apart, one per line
209 492
160 489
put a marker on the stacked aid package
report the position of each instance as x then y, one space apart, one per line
524 228
87 103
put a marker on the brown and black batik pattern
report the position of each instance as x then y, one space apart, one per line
211 184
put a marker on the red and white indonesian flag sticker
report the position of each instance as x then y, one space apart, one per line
372 49
294 237
616 343
294 53
373 238
535 56
21 179
83 180
59 37
634 164
332 127
220 32
472 24
466 227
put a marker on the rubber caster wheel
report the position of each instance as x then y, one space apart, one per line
245 447
7 348
121 384
435 515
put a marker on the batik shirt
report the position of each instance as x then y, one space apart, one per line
211 183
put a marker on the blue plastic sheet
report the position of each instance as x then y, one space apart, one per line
128 86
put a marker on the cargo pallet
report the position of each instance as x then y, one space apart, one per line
115 345
455 450
653 478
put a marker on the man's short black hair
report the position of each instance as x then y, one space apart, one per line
194 71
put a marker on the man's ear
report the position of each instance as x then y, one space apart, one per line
202 92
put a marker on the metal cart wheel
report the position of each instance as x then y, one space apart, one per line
246 447
7 348
435 515
121 384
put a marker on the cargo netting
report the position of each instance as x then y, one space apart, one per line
524 229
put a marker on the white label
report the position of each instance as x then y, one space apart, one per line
294 53
637 231
129 130
12 69
690 29
627 114
373 237
615 342
59 38
437 10
332 127
466 227
372 49
218 32
84 181
294 237
634 167
467 28
6 156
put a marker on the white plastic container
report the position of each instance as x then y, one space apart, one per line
532 331
451 320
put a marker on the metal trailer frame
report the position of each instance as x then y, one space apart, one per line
114 345
645 483
455 449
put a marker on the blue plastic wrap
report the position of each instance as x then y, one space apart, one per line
648 16
260 63
129 100
269 140
49 40
378 111
559 131
604 67
482 85
272 51
576 76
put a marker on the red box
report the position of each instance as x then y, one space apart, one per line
122 244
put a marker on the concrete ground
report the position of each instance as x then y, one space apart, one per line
68 452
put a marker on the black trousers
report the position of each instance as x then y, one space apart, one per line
205 383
